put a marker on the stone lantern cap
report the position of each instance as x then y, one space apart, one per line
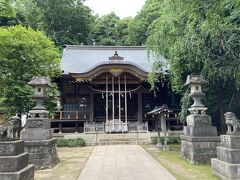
40 81
194 79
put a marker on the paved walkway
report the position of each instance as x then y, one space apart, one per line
123 162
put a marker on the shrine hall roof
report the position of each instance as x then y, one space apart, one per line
82 59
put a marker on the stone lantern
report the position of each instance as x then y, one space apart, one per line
40 84
200 138
37 134
195 83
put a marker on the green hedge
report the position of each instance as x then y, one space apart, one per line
79 142
170 140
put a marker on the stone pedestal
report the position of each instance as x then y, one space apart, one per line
14 162
39 143
200 139
227 163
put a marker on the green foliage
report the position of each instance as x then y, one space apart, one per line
24 53
64 21
123 31
105 30
53 95
185 104
201 37
138 28
110 30
170 140
6 8
79 142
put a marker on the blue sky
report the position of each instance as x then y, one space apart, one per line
123 8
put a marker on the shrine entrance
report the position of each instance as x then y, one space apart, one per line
116 94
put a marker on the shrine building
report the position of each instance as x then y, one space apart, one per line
105 89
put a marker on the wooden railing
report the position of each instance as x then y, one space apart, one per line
70 115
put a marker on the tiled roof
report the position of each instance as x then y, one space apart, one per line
82 59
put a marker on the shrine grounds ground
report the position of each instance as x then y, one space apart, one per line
74 159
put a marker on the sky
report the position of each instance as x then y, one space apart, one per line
122 8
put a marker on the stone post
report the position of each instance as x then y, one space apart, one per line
227 163
200 138
37 134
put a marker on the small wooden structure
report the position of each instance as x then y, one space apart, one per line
161 113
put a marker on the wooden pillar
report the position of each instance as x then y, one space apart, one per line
113 107
164 127
76 127
140 107
91 107
60 128
125 96
119 99
106 99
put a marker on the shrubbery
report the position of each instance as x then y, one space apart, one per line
170 140
79 142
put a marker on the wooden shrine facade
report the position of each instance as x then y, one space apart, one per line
111 94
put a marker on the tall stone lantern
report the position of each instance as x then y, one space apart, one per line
200 137
195 83
37 134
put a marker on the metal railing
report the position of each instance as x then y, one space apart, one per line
94 127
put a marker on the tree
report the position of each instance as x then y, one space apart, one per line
138 28
6 8
123 31
24 53
64 21
105 30
201 37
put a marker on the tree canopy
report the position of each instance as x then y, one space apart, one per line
138 28
24 53
201 37
6 8
64 21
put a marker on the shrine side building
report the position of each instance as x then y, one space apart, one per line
105 89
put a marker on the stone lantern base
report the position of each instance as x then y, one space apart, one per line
39 143
227 163
42 154
14 162
200 139
199 150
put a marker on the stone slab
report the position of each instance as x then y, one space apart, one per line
230 141
198 120
231 156
199 152
11 148
25 174
42 154
40 123
200 139
13 163
41 143
200 131
225 170
36 134
123 162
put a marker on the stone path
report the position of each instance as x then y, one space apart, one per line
123 162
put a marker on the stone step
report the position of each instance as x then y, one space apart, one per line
117 143
123 139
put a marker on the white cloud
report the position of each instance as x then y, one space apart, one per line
122 8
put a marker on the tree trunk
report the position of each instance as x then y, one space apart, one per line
221 107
